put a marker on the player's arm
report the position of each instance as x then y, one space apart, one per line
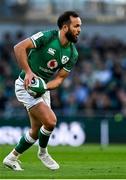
57 81
20 51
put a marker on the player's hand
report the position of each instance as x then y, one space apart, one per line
28 78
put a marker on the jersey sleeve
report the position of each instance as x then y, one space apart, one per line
41 38
69 65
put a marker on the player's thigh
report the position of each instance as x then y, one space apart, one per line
43 113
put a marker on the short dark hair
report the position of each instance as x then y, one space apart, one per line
65 18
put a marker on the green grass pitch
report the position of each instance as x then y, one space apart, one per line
85 162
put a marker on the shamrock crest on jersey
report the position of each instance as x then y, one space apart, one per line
64 59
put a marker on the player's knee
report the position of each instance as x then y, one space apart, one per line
51 123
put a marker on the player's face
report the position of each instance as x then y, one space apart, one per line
74 29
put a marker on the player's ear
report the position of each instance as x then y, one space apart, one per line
65 28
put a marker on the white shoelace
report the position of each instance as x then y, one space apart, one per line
47 158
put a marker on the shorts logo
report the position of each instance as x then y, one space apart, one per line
52 64
64 59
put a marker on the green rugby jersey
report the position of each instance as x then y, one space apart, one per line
49 55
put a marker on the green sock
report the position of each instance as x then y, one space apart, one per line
44 137
25 143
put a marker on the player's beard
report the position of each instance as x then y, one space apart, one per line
70 37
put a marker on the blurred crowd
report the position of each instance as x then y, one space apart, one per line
97 84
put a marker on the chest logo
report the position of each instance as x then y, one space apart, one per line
64 59
52 64
51 51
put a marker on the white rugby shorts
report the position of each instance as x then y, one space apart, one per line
24 97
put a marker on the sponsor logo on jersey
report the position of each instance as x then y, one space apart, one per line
46 70
37 35
52 64
51 51
64 59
